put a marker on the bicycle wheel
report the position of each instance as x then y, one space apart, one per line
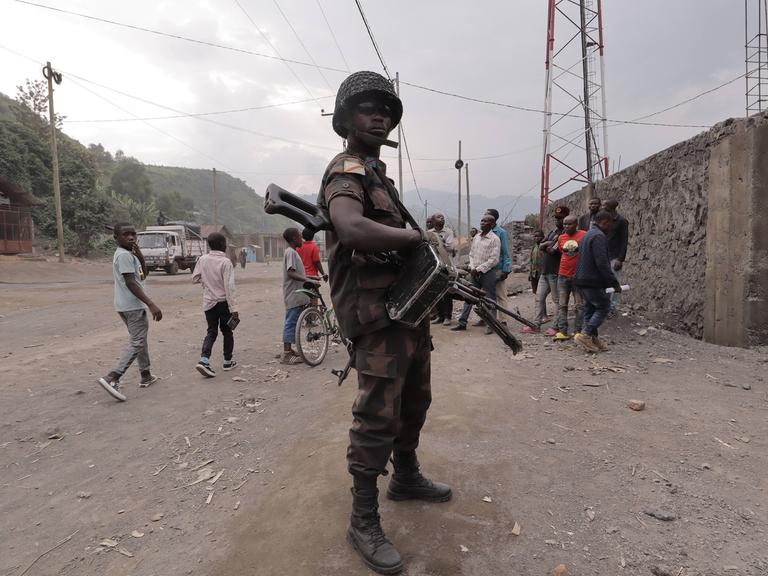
311 337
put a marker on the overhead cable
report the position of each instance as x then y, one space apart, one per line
636 122
268 41
373 40
191 114
304 46
177 36
205 119
335 40
71 78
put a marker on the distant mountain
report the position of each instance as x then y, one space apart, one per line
510 206
240 208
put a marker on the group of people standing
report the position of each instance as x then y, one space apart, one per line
575 263
578 260
489 265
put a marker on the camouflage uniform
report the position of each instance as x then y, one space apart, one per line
392 361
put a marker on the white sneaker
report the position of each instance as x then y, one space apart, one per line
113 388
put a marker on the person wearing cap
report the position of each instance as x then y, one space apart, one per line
391 359
548 279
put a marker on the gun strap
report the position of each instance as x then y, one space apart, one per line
396 199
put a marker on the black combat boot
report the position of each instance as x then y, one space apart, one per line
366 535
408 482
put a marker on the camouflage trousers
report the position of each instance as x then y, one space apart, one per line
394 393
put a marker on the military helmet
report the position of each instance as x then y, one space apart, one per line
358 86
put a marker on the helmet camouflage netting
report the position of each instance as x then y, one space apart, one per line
358 86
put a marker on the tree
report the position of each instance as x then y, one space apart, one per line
140 214
130 179
175 206
102 157
33 104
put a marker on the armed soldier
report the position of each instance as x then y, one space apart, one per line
392 361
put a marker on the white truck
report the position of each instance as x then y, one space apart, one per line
171 247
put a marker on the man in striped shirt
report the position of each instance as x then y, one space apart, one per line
483 257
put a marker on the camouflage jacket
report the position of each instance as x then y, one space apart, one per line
358 288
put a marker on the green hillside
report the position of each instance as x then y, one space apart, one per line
99 187
240 208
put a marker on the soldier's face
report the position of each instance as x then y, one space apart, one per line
372 117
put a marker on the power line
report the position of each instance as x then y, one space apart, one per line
538 111
163 132
692 98
181 114
191 114
268 41
335 40
204 119
176 36
306 50
373 40
389 77
410 165
413 85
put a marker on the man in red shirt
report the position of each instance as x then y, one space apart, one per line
310 257
568 246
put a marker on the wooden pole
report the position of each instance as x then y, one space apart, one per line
52 76
469 217
458 219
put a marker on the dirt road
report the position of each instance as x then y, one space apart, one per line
230 477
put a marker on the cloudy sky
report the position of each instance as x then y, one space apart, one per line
658 53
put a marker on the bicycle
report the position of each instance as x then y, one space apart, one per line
315 327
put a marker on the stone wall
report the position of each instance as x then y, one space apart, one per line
677 275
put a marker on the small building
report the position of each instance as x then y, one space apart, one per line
17 231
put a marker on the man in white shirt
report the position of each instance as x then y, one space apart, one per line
483 257
217 275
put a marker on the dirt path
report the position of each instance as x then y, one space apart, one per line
545 435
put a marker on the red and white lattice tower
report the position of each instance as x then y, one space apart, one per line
756 58
575 76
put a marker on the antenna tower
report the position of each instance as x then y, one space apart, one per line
575 74
756 54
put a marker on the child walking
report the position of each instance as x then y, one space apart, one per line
217 275
129 271
294 278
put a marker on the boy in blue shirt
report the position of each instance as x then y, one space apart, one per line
129 271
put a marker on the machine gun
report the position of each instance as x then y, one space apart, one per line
279 201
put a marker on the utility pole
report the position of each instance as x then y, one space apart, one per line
52 76
215 201
459 165
400 145
469 218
